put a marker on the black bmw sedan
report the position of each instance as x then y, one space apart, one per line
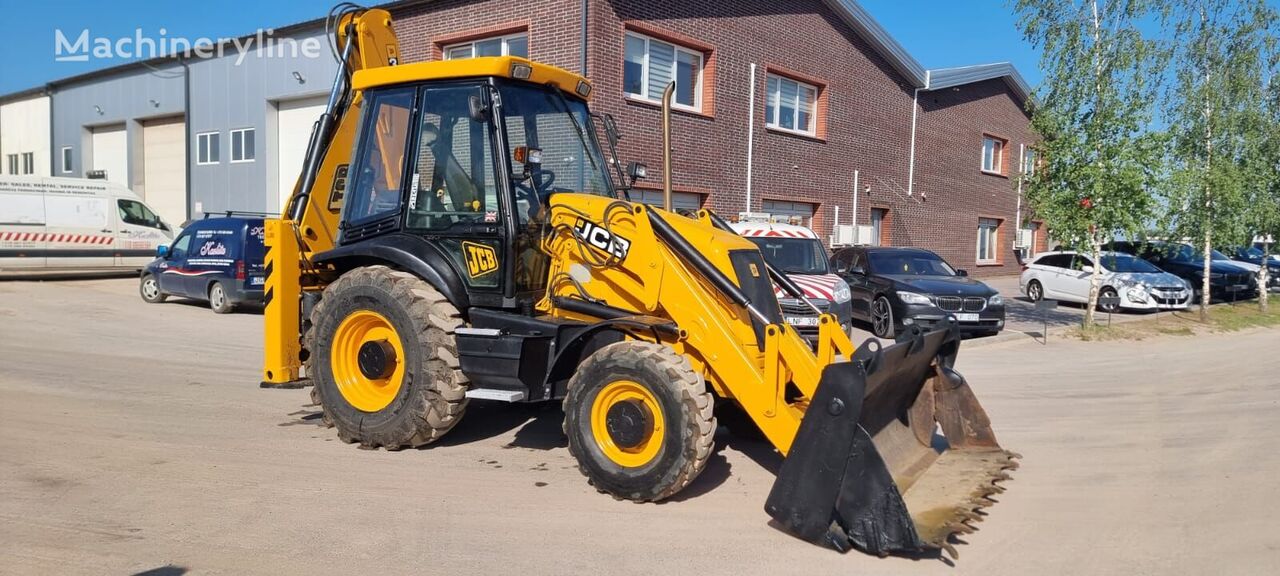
897 287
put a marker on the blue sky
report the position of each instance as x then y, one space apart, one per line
939 34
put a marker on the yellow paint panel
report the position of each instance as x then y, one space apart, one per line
495 66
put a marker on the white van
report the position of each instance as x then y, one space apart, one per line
73 224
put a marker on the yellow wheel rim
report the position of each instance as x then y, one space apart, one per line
366 391
639 409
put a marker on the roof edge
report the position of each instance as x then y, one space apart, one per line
881 40
939 78
40 90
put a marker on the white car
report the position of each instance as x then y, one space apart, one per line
1127 282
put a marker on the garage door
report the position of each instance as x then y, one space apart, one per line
164 162
786 212
679 200
111 153
293 130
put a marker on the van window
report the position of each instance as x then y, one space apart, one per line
137 213
180 248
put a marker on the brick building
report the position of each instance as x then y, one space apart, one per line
812 95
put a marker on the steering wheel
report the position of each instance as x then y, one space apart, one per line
540 181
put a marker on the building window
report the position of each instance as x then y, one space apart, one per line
651 64
66 159
993 154
787 212
28 162
988 240
1029 161
242 145
511 45
790 105
207 148
13 163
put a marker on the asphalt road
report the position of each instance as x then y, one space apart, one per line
133 437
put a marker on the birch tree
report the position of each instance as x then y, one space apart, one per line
1100 161
1220 59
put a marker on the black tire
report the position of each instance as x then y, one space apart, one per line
149 289
1035 292
431 398
882 318
1108 292
218 299
686 406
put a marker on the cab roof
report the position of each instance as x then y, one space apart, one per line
488 66
772 229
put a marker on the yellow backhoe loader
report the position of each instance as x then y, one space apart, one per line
458 232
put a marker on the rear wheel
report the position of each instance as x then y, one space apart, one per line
882 318
149 288
385 363
639 420
218 299
1035 292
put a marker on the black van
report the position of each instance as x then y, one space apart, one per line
218 260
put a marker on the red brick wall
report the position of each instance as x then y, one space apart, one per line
554 26
951 191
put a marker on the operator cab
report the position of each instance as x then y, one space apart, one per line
462 156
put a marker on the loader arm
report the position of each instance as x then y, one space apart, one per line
308 224
864 455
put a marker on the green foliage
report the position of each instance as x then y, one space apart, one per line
1100 161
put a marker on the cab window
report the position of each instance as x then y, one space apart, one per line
454 181
181 247
137 214
375 192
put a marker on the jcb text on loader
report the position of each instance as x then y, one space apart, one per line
457 233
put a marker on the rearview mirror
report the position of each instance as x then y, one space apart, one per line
162 251
477 108
611 129
1087 269
858 270
962 272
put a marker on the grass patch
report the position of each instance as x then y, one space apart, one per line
1222 318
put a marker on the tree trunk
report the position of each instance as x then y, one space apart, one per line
1204 286
1095 280
1264 278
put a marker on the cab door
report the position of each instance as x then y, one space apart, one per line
137 232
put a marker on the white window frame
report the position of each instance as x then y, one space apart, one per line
675 63
12 161
65 154
205 161
1028 153
28 162
776 124
506 44
231 140
993 244
997 160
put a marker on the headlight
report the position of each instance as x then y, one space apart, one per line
1216 275
1137 294
913 298
841 292
995 300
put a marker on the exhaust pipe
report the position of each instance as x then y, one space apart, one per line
666 145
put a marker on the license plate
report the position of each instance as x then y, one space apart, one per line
966 317
802 320
1238 287
257 281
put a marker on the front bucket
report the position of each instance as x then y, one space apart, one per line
867 470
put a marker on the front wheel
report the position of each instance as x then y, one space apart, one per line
149 289
1035 292
882 318
1111 299
639 420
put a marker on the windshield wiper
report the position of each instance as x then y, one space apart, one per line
582 132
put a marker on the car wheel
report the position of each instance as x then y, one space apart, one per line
149 288
218 299
882 318
1108 293
1035 291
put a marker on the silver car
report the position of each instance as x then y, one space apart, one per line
1127 282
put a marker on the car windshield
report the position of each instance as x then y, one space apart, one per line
1178 252
909 263
1125 263
538 117
793 255
1251 252
1216 255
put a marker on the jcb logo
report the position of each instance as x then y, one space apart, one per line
481 259
600 237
